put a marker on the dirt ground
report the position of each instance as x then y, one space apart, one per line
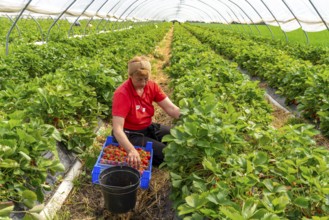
86 200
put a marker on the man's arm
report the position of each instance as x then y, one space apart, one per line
170 108
132 154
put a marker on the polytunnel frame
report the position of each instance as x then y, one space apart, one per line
56 23
237 18
149 4
88 5
316 10
155 16
285 34
63 12
293 14
213 8
251 5
246 15
84 32
106 15
228 7
12 20
217 13
184 6
39 27
14 24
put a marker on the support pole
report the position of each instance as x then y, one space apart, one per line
93 17
307 40
52 25
39 27
69 32
261 18
324 22
275 20
14 24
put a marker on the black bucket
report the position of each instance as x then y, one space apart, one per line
119 187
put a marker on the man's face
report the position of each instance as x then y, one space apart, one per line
139 81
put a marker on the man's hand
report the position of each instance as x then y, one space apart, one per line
133 158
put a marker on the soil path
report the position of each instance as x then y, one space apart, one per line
161 60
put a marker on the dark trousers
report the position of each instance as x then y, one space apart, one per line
154 133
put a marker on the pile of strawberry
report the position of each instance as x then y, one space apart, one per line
117 155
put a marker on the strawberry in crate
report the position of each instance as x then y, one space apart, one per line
117 156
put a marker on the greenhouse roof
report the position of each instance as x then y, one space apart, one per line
310 15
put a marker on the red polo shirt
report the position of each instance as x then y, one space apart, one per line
137 110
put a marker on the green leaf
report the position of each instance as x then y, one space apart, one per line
168 138
197 216
176 180
209 107
185 209
24 136
6 211
231 213
40 193
176 134
210 164
18 115
33 216
191 128
195 201
175 176
302 202
59 167
249 208
267 203
51 130
29 198
249 167
9 163
260 158
6 151
27 157
325 190
213 198
220 198
14 123
268 184
176 183
280 203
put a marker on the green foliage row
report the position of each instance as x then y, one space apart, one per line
299 81
318 39
225 160
28 61
30 30
314 53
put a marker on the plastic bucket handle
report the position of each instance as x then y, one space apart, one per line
118 187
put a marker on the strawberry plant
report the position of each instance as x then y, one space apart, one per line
227 162
24 166
299 81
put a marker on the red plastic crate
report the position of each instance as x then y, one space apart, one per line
99 167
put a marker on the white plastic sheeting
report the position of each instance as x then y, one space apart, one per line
310 15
